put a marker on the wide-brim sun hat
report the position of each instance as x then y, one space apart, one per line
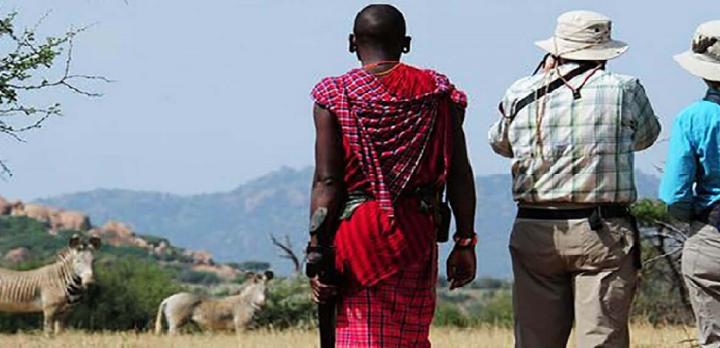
583 35
703 58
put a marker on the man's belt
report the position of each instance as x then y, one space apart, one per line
430 203
605 211
428 195
595 216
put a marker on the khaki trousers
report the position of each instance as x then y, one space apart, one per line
701 268
565 272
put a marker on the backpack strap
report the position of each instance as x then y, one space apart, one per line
546 89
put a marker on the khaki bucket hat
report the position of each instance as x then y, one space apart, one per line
583 35
703 59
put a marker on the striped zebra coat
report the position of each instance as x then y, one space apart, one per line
51 289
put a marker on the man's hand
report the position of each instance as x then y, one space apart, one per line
322 293
461 266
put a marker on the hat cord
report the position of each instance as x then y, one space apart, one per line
540 106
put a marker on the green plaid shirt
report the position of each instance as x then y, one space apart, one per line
586 152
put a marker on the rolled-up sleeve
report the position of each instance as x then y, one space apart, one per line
498 138
638 109
676 186
498 133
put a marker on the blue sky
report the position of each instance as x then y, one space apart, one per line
210 94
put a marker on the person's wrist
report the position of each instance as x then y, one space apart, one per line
465 240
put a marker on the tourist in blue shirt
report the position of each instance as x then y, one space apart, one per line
691 182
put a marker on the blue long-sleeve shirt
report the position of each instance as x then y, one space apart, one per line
691 179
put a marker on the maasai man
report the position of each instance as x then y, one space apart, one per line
571 132
691 182
389 139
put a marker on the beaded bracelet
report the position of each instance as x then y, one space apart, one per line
464 241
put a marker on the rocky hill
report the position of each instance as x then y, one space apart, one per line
32 232
236 225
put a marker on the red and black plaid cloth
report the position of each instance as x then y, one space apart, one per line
372 245
395 313
387 130
397 135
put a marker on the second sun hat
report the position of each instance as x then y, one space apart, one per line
703 58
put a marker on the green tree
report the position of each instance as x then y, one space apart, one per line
254 266
29 65
126 297
288 305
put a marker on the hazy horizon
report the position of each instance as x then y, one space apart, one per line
211 95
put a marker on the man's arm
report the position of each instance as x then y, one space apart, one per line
646 124
498 133
461 183
676 186
462 263
326 195
498 138
328 185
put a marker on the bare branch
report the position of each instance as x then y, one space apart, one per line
19 80
287 252
663 256
672 228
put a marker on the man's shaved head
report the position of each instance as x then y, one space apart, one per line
380 26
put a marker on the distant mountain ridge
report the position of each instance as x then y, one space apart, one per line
236 225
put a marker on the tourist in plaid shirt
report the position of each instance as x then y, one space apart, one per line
389 140
583 150
571 131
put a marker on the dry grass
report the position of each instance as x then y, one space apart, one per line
642 336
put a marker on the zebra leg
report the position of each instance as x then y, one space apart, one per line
239 324
48 319
59 322
173 324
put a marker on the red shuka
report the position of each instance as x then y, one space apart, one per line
397 137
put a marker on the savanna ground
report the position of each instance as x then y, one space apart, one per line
486 337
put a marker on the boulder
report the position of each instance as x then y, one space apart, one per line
161 248
33 211
69 220
5 206
201 257
17 255
115 233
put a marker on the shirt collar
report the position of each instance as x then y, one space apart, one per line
712 95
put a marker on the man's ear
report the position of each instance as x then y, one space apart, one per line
74 242
352 44
406 44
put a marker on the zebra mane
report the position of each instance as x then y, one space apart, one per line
63 254
70 282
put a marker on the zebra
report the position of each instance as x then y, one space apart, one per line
225 313
52 289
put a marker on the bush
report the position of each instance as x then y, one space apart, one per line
126 296
496 311
449 314
255 266
288 305
488 283
199 277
